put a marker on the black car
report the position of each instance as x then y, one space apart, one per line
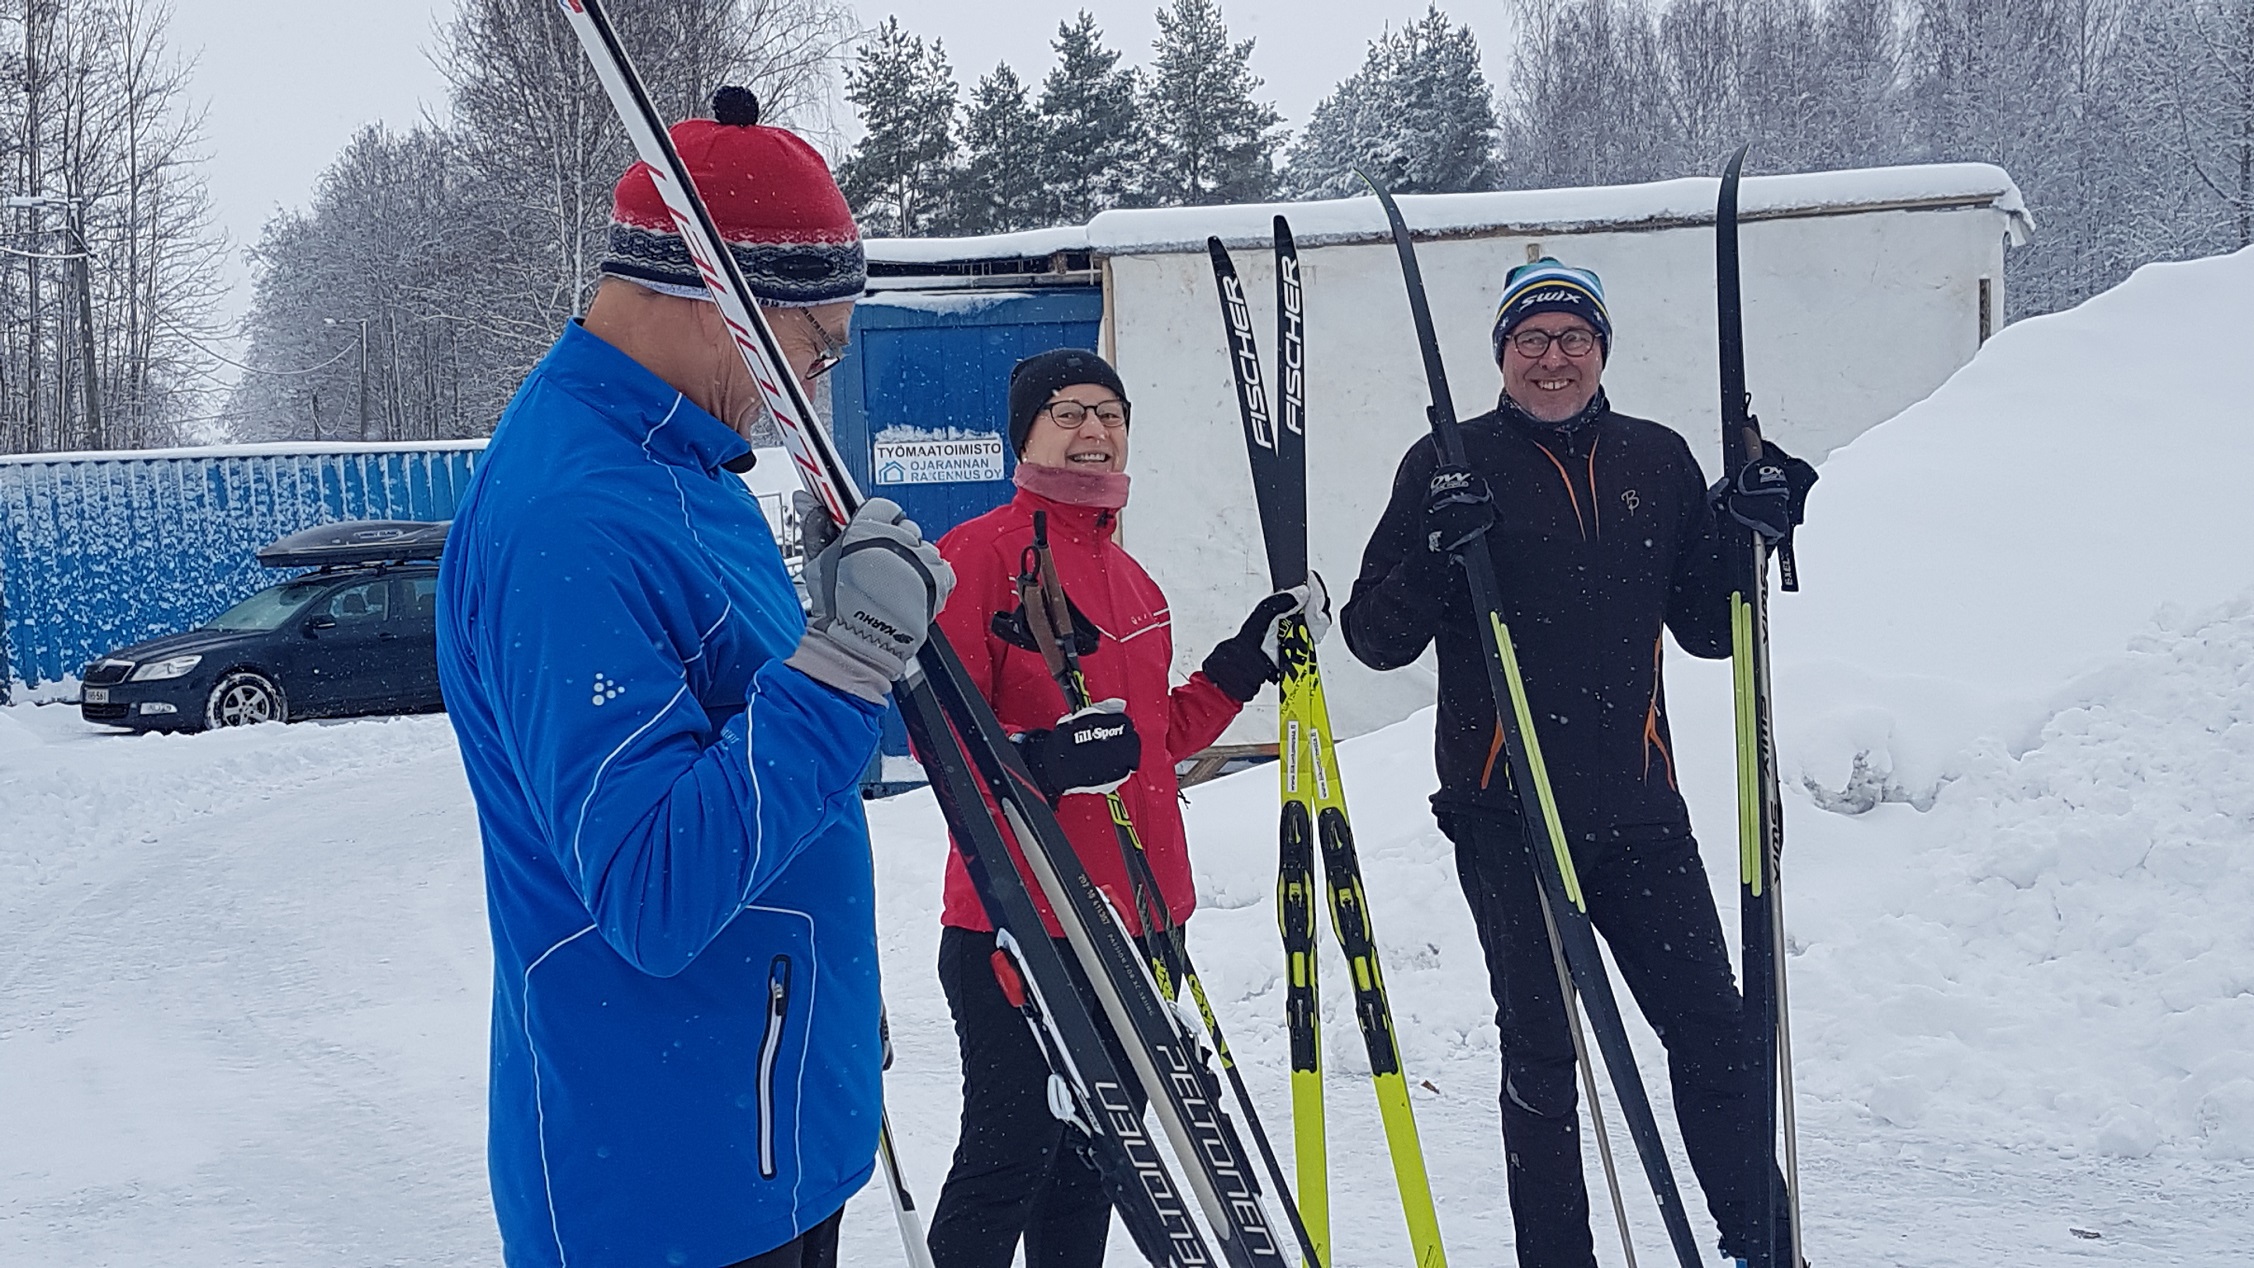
357 636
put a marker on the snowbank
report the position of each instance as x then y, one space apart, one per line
2058 955
1966 561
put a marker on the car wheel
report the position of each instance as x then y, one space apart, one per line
244 698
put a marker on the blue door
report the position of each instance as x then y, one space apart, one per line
920 403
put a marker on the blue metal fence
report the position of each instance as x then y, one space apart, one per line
105 549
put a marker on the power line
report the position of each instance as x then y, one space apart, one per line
42 255
252 369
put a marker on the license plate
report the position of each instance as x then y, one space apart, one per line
97 695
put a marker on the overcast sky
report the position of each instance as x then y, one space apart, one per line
287 82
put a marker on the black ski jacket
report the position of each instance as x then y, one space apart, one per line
1602 537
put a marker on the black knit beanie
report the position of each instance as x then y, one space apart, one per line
1038 377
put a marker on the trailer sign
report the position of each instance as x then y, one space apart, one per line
965 460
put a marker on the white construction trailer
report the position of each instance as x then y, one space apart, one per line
1864 290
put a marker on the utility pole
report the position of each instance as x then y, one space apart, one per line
35 431
74 216
363 378
82 276
331 321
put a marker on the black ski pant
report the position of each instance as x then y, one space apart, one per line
1018 1170
814 1248
1651 902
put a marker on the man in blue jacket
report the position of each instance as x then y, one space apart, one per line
665 754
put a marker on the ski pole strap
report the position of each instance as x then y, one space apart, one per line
1035 574
1788 568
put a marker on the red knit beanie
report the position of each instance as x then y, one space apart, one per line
772 197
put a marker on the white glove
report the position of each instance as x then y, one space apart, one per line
873 589
1311 601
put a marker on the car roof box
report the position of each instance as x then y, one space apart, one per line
357 542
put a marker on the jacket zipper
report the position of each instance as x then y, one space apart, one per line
771 1046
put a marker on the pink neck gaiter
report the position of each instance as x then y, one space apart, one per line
1101 490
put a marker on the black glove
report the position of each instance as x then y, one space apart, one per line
1241 664
1458 507
1091 751
1768 495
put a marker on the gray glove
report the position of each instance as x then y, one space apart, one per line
872 590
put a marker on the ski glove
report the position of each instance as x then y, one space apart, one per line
1458 508
1242 663
1092 750
872 590
1768 495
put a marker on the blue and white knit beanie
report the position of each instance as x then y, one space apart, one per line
1546 286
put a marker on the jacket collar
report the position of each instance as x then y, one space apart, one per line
639 405
1568 429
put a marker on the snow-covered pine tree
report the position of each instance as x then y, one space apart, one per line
1087 113
1418 116
900 175
1000 185
1208 140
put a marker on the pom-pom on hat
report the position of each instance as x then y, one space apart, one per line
1546 286
772 198
1037 378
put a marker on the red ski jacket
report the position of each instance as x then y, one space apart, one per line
1131 662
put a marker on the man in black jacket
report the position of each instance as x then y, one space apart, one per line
1603 535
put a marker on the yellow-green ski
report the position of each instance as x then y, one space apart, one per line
1314 818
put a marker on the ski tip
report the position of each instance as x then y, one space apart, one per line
1731 169
1283 232
1215 248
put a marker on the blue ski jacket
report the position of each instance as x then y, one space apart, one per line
685 1035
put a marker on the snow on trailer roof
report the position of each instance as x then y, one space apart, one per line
1667 204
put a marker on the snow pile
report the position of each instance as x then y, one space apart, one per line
1969 558
2059 953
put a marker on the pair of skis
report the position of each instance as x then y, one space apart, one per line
969 759
1314 799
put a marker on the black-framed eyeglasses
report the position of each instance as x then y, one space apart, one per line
1073 415
831 350
1534 343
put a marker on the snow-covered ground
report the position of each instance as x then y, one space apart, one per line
243 975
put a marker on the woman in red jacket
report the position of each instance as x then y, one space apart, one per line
1015 1173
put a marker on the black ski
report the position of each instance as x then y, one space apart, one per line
950 722
1760 808
1572 936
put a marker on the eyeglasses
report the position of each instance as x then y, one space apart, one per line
1534 343
1073 415
831 350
